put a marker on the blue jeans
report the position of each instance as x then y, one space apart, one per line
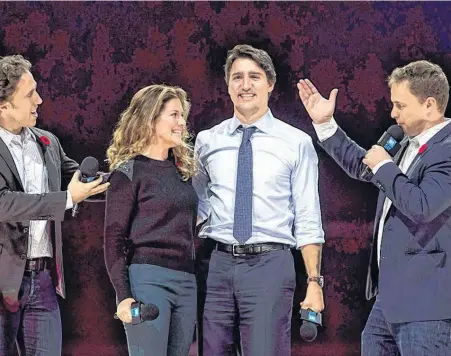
36 326
175 295
422 338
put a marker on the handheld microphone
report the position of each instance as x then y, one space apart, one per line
310 321
142 312
390 141
88 173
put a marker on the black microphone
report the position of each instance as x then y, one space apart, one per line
390 141
142 312
310 321
88 173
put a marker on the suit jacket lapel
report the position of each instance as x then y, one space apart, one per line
437 138
49 163
6 155
381 197
55 227
399 155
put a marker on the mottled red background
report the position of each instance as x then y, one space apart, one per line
91 57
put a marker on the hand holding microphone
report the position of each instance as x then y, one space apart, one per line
86 182
310 321
133 312
386 148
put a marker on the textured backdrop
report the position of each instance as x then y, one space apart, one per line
91 57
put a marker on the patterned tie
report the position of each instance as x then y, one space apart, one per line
242 225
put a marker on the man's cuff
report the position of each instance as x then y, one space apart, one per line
301 242
325 130
380 164
69 202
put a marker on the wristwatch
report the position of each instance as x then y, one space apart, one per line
317 279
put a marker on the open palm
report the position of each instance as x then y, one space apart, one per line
319 108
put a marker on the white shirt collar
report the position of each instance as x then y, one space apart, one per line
425 136
8 136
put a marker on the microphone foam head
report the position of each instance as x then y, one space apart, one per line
308 331
396 132
149 312
89 167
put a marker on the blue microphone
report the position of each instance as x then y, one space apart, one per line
142 312
310 322
390 141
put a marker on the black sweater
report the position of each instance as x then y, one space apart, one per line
151 213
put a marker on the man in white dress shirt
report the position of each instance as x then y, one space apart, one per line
258 192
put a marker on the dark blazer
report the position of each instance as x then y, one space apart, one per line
18 208
414 279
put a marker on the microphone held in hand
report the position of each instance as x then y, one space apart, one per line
390 141
142 312
310 321
88 173
88 169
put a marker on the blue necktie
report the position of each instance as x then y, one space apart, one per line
242 221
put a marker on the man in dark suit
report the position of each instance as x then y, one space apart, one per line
32 169
409 272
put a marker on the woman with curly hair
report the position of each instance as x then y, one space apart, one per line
150 219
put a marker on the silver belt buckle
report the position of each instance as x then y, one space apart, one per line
234 253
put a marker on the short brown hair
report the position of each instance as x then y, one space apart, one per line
259 56
11 69
425 80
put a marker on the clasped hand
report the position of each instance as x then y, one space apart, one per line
375 155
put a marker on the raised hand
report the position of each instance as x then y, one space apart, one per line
319 108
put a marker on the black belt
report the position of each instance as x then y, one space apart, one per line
252 249
38 264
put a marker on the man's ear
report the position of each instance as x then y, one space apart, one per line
431 106
431 102
271 86
3 106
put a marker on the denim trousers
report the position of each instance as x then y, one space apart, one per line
36 327
175 295
420 338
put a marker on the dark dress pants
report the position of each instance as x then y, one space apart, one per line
255 292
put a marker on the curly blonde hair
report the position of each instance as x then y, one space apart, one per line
136 125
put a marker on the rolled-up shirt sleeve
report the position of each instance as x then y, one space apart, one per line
305 192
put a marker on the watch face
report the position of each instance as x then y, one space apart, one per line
319 280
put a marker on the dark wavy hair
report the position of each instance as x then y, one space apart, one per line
11 69
259 56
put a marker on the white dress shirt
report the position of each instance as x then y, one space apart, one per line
285 183
33 174
328 129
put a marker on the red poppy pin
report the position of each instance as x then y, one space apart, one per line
45 140
422 148
179 164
